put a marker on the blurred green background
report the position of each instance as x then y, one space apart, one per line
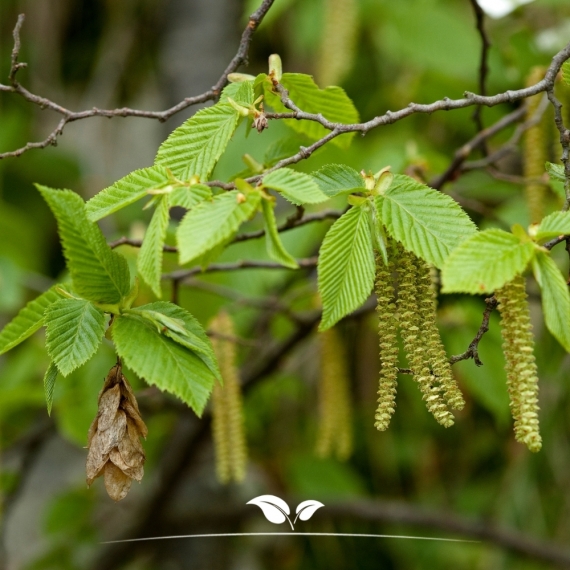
150 54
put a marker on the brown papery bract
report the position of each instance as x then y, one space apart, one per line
115 449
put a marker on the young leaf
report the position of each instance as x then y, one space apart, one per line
566 72
333 103
74 329
555 297
98 273
554 225
555 171
424 220
346 266
335 179
126 191
485 262
28 320
149 263
196 145
189 197
275 248
297 187
211 222
162 361
241 93
179 325
49 384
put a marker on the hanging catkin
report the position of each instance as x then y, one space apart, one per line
338 44
535 145
387 332
227 407
518 347
334 433
434 346
414 339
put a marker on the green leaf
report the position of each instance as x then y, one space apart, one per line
424 220
28 320
189 197
275 248
566 72
98 273
179 325
194 147
74 329
333 103
162 361
485 262
555 297
127 190
49 384
555 171
212 222
298 187
149 262
335 179
346 266
283 148
241 93
554 225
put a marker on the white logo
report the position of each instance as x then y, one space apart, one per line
277 511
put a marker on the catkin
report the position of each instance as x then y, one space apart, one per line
414 339
227 406
387 332
434 346
334 433
518 347
535 144
338 44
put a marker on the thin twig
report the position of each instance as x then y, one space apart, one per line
564 141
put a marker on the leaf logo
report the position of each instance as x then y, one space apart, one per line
277 511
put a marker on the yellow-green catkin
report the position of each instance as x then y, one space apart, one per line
414 339
388 337
334 435
437 356
227 406
518 347
338 43
535 145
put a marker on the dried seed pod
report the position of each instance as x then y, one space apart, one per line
334 433
113 440
388 337
535 145
227 407
414 339
438 360
518 347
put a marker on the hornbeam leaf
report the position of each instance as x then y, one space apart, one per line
424 220
554 225
162 361
333 103
189 197
28 320
335 179
74 330
298 187
49 384
212 222
275 248
346 265
485 262
195 146
555 297
556 171
149 262
190 334
241 93
126 191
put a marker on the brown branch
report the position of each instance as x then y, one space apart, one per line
69 116
483 66
564 141
473 349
